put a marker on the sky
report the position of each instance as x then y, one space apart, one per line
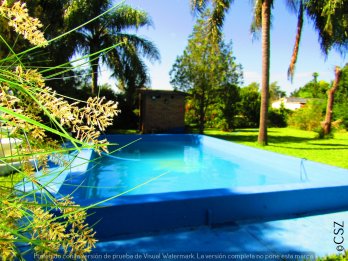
173 23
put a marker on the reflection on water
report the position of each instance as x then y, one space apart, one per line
181 167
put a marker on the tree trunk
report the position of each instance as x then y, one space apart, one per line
266 20
291 69
130 95
94 65
330 101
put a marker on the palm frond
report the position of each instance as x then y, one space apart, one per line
198 6
331 21
256 23
293 5
291 69
145 48
108 30
125 18
257 19
217 19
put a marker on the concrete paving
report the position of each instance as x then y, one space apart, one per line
293 239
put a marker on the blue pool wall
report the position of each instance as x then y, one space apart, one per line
136 214
163 211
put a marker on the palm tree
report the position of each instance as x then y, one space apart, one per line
266 29
107 31
262 18
131 73
330 19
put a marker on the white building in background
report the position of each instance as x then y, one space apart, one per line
290 103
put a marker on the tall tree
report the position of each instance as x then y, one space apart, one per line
249 105
205 84
131 76
341 99
191 74
275 92
107 31
330 101
330 19
266 29
262 19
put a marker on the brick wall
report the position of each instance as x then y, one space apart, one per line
162 111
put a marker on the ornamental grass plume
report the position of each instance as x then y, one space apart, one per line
23 24
30 111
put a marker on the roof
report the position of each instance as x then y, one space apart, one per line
157 91
291 100
295 100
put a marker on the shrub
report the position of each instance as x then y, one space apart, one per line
278 117
308 117
340 112
337 257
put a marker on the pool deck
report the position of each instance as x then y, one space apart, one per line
312 235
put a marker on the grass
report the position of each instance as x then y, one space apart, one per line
294 142
8 181
122 131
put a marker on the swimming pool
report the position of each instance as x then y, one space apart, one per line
181 163
176 181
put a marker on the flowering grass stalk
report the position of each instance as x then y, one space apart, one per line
35 221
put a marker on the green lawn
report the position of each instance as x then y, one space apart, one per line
8 182
298 143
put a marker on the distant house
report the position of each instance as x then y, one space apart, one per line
162 111
290 103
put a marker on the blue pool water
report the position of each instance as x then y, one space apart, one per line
196 180
185 163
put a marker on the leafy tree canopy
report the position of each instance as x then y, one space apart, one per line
312 89
207 70
249 105
275 92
